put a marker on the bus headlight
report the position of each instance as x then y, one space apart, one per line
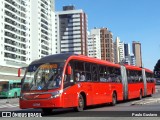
56 93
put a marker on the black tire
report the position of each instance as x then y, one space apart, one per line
47 111
80 106
140 95
151 93
114 99
15 95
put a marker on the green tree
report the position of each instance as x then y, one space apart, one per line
157 69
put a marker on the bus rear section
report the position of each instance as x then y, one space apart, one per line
150 81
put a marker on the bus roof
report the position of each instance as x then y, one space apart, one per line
64 56
147 70
130 67
94 60
51 58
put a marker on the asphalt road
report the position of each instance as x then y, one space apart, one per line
146 106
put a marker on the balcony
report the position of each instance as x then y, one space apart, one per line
44 42
23 39
44 16
11 35
10 28
44 21
10 8
45 47
45 2
10 21
10 55
23 21
45 27
23 58
9 48
23 52
10 14
23 9
45 32
23 33
44 37
44 52
11 42
44 11
23 46
44 6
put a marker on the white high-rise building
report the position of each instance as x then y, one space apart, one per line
26 33
42 24
94 43
71 30
119 51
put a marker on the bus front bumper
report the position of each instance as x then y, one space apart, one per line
40 103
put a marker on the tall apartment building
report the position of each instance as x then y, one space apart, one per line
71 30
25 33
127 50
129 57
136 46
41 13
107 47
119 55
94 46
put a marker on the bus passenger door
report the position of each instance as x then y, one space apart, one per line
69 92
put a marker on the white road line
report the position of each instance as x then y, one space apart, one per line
146 101
9 106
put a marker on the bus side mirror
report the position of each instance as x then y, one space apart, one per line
68 70
19 72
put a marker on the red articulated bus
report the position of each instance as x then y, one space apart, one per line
71 80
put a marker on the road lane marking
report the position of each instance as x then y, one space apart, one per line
9 105
146 101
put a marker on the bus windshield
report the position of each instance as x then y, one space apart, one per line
4 86
42 77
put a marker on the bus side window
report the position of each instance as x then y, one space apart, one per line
11 86
129 76
88 71
102 74
94 72
118 78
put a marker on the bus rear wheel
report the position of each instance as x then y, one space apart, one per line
151 93
47 111
80 106
114 99
140 95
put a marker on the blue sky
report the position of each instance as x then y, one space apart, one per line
130 20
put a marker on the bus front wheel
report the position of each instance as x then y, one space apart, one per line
15 95
80 106
47 111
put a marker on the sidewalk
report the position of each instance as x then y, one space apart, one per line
9 100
